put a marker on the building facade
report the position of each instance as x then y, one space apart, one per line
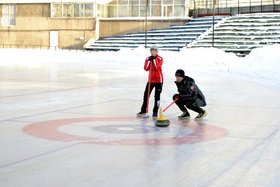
70 24
39 25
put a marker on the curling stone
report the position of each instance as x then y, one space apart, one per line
162 121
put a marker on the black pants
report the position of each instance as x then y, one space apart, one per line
158 89
190 104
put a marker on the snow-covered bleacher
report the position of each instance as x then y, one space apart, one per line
172 38
242 33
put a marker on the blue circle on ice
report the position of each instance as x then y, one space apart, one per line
125 129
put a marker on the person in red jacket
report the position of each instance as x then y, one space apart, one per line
153 64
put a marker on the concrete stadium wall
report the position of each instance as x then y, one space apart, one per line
116 27
33 26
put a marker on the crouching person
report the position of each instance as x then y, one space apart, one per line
189 97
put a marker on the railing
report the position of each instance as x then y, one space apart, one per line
21 46
233 7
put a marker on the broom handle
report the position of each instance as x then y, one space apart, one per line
149 87
176 99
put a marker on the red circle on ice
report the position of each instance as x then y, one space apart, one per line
200 132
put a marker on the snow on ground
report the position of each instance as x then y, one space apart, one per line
260 66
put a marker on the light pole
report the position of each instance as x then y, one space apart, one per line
146 18
213 23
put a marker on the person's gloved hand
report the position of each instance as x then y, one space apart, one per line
151 58
176 97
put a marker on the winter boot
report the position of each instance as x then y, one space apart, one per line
142 115
201 116
185 115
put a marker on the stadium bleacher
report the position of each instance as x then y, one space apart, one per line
239 34
242 33
172 38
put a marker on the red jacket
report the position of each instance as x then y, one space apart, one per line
155 70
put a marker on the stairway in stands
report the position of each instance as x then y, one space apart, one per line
172 38
242 33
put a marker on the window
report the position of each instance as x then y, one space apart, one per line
88 10
8 15
70 10
123 11
137 8
56 10
78 10
179 10
112 11
84 10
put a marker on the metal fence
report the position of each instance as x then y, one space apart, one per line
21 46
232 7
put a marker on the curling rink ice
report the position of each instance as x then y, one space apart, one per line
74 124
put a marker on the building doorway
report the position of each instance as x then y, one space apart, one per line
53 39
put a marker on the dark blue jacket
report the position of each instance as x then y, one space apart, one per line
189 91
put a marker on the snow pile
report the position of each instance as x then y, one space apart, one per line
260 66
263 65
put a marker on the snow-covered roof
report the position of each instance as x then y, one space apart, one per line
54 1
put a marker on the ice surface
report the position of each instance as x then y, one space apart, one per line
90 99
